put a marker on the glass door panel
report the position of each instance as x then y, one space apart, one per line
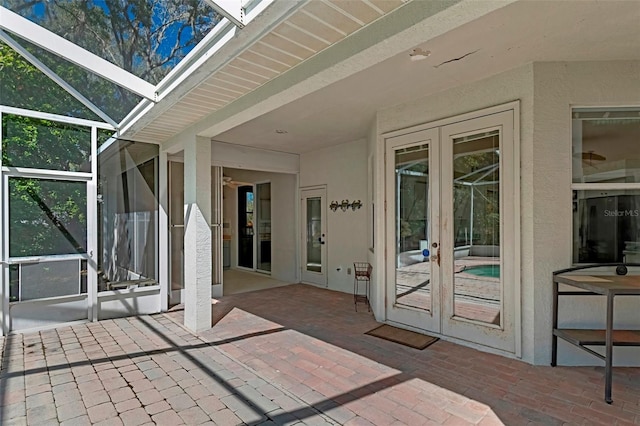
314 241
176 220
478 244
313 262
412 230
413 269
477 292
245 226
128 216
263 196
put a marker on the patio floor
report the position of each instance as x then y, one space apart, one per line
288 355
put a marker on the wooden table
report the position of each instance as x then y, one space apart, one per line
604 285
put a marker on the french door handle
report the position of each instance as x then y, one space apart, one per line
436 257
320 240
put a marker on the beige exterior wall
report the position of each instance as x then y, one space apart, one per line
343 169
557 87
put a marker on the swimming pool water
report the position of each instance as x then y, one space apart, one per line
492 271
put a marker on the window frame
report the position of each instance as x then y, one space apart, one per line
594 186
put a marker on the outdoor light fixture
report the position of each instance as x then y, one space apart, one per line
344 205
418 54
333 206
356 205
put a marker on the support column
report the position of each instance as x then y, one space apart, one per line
197 234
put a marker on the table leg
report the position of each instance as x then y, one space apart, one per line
554 338
608 369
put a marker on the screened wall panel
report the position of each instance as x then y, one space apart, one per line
47 217
43 144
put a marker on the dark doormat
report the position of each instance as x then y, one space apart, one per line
404 337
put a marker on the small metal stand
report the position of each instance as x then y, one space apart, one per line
361 275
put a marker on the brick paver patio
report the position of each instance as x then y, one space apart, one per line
289 355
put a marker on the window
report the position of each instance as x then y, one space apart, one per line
606 185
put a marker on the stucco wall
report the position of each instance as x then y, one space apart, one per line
557 87
343 169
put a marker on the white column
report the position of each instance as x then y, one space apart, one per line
197 234
163 230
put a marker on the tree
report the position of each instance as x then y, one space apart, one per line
23 86
145 37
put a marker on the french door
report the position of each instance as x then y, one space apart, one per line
413 230
314 232
452 230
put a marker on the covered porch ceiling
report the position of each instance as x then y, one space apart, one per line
282 95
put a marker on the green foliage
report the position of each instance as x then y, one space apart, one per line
145 37
43 144
23 86
486 199
46 217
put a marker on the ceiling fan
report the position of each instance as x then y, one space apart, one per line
590 157
228 181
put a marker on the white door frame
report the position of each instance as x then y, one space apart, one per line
90 179
499 336
467 331
256 215
318 278
427 319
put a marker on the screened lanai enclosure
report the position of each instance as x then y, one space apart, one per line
80 204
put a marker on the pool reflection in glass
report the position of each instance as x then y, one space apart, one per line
476 195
